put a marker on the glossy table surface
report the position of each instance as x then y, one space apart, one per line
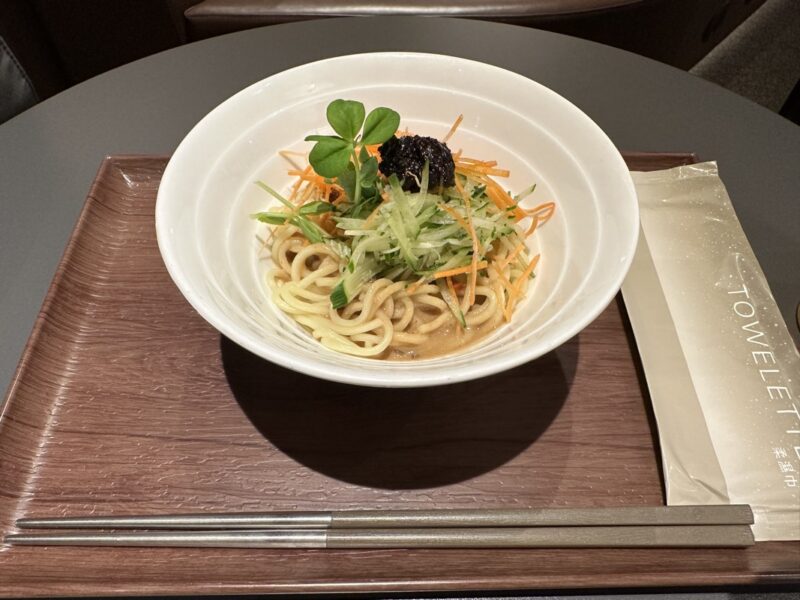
49 154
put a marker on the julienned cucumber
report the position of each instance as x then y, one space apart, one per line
352 282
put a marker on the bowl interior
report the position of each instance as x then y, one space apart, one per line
210 245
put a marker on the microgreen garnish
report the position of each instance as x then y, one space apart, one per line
344 156
296 216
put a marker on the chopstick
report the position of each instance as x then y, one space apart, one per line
671 536
359 519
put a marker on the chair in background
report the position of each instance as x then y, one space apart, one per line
47 45
677 32
30 69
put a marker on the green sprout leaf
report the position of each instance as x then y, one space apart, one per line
347 179
369 171
380 125
346 117
273 218
315 208
313 232
330 156
370 198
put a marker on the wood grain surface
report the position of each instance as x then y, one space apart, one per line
127 402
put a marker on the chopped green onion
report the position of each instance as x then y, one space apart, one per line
272 218
315 208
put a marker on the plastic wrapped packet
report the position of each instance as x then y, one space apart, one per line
721 366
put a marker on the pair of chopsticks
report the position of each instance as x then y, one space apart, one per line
627 527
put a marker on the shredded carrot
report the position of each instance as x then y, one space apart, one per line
459 270
459 219
514 253
298 183
543 211
415 286
312 182
308 175
476 246
453 129
534 225
499 270
512 292
478 169
482 170
501 199
512 300
509 309
528 270
304 197
477 161
452 288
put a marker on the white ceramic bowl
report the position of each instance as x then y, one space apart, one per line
209 244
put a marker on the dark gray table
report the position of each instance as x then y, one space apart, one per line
49 155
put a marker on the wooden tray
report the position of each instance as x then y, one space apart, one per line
126 401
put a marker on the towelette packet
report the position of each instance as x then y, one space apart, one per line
721 367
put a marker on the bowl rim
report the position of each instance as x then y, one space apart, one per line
403 377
